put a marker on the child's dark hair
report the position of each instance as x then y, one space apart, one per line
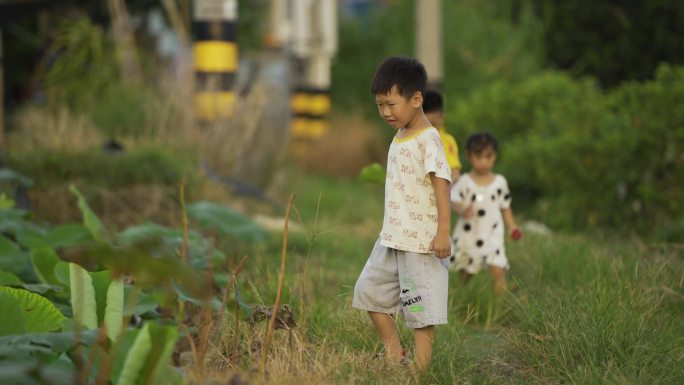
480 141
433 101
408 74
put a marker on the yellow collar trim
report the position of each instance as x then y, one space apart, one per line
406 139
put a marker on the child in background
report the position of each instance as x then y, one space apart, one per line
483 201
433 106
404 271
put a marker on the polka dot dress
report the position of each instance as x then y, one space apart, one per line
479 240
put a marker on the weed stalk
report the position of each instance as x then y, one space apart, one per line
281 281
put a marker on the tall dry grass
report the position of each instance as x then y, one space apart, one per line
352 143
36 128
246 147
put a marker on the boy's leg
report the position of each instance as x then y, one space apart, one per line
377 292
499 277
424 338
387 329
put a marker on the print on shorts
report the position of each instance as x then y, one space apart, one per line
410 298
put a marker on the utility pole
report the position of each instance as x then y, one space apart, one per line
279 29
216 58
429 43
314 44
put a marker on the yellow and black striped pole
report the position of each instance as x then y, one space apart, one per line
310 108
216 58
314 43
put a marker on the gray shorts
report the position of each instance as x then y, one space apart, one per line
415 283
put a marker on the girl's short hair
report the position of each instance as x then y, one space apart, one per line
480 141
407 73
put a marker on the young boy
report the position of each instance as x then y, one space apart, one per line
433 106
483 201
404 270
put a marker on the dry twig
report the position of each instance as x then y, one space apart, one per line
281 280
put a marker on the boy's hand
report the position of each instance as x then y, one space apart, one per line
441 246
516 234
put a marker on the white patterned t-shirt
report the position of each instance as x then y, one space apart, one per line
410 221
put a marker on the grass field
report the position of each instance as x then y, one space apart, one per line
582 308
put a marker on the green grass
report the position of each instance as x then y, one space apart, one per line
583 308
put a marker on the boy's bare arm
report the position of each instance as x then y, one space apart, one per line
455 173
441 244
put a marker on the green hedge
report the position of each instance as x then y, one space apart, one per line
584 157
151 165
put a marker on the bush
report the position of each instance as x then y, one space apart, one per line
109 170
582 157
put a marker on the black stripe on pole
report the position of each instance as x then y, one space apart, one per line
215 30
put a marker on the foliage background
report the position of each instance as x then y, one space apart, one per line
588 123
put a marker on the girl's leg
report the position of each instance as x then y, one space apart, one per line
465 276
499 277
424 339
387 329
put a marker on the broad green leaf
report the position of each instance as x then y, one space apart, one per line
144 302
44 260
34 371
61 271
163 340
226 221
41 288
40 314
7 175
26 344
101 282
11 316
145 233
12 259
31 236
136 357
7 278
17 372
71 234
113 317
82 297
13 221
149 270
90 220
164 240
213 302
373 173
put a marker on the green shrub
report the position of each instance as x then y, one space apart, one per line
152 165
582 157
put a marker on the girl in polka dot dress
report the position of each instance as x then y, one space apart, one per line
482 199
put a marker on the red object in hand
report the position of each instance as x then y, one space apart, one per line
516 234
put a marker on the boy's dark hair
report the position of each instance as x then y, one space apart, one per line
433 101
408 74
480 141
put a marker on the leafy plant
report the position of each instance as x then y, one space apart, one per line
82 297
225 221
36 314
